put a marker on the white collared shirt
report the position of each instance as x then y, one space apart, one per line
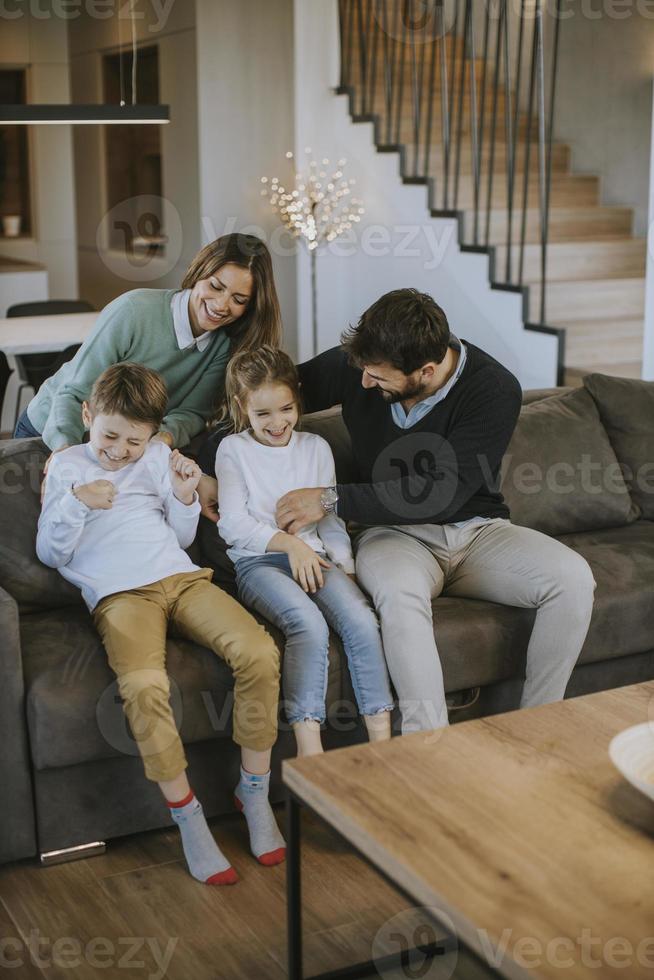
182 323
403 419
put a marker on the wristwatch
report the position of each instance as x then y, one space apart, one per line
329 499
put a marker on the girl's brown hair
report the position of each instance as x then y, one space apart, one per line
249 370
262 321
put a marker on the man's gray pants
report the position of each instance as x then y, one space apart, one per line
404 567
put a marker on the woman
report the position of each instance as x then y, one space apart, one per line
227 302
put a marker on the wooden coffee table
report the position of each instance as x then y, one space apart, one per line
516 830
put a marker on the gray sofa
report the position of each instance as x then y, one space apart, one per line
578 467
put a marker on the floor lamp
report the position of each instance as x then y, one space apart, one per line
318 209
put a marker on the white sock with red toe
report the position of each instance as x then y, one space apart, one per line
251 798
205 860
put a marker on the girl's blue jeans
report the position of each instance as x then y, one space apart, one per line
266 584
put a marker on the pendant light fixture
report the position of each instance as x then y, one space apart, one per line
91 114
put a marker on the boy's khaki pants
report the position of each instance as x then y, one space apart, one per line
133 628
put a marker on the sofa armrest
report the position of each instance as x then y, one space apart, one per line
17 833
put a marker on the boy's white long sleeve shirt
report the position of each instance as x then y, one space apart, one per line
138 541
251 479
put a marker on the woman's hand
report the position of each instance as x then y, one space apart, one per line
184 476
208 493
47 463
306 565
164 436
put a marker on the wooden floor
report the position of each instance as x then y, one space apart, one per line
135 912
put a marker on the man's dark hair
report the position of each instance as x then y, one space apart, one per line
404 328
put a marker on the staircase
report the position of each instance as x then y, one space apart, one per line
467 98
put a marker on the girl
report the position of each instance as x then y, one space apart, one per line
227 301
302 583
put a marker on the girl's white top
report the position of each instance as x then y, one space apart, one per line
140 540
252 478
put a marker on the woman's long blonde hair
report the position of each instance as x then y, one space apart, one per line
261 324
249 370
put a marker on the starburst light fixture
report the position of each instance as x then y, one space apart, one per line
318 210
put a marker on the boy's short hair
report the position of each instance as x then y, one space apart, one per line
404 328
132 390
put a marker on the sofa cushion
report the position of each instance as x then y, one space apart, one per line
560 473
622 561
330 425
626 408
32 585
74 711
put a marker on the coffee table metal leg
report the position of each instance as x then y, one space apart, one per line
293 886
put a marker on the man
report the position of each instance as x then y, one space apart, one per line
430 418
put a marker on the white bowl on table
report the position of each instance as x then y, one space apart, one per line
632 752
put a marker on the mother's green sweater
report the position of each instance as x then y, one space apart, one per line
137 326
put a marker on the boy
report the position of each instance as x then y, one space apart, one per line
117 513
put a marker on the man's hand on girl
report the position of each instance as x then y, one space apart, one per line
299 508
306 565
208 494
184 476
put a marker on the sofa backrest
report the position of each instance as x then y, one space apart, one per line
32 584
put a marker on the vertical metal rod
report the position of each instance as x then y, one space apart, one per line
363 55
350 42
388 79
395 54
491 161
550 136
371 42
372 98
400 87
293 887
525 183
508 136
473 118
542 194
341 34
516 118
416 97
430 104
452 86
462 85
445 117
482 115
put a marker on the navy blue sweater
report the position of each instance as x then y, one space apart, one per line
443 469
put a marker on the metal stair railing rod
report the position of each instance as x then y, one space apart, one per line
402 63
516 122
462 84
482 121
542 162
430 93
473 117
372 32
550 137
363 56
508 136
496 84
527 155
445 103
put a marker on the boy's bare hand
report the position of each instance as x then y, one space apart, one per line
98 495
184 476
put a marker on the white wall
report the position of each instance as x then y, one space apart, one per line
245 117
40 44
604 98
396 222
105 272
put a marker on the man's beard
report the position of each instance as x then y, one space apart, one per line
413 390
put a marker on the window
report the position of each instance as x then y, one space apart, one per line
14 155
133 157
